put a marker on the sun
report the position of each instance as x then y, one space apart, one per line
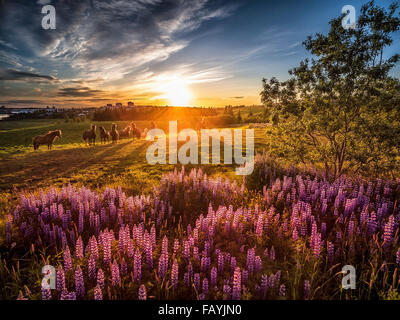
178 94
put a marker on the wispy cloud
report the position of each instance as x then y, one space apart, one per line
10 74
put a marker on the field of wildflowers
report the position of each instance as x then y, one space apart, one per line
194 237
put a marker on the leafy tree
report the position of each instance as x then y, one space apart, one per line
341 109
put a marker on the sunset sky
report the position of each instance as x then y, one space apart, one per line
201 53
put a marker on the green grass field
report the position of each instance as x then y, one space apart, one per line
70 161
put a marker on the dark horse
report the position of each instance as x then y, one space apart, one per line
114 133
136 132
46 139
104 135
89 136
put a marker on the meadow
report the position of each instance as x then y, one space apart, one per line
115 227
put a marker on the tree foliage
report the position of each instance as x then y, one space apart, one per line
341 108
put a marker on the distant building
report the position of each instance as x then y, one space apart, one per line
130 104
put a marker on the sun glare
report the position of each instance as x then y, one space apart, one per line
178 94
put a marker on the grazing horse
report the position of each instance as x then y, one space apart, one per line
114 133
89 136
136 132
46 139
125 133
144 133
104 135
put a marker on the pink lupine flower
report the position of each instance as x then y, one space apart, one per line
272 253
115 274
237 284
92 267
205 286
196 281
60 280
174 274
98 293
46 293
214 275
67 260
282 290
79 283
142 293
100 278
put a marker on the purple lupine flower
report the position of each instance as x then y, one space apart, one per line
115 276
237 284
137 267
164 245
106 249
79 282
79 248
257 264
233 264
98 293
92 267
245 276
264 285
142 293
389 231
278 277
227 292
331 251
124 267
94 249
60 280
306 289
220 263
67 260
271 281
176 246
175 274
398 256
282 290
186 279
130 248
205 286
295 236
100 278
196 281
214 275
68 295
162 265
250 259
272 253
46 293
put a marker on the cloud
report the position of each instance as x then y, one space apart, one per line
79 92
12 75
28 101
107 38
241 97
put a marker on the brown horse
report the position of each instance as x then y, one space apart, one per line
104 135
46 139
125 133
89 136
114 133
136 132
144 132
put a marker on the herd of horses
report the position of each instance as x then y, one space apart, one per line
89 136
